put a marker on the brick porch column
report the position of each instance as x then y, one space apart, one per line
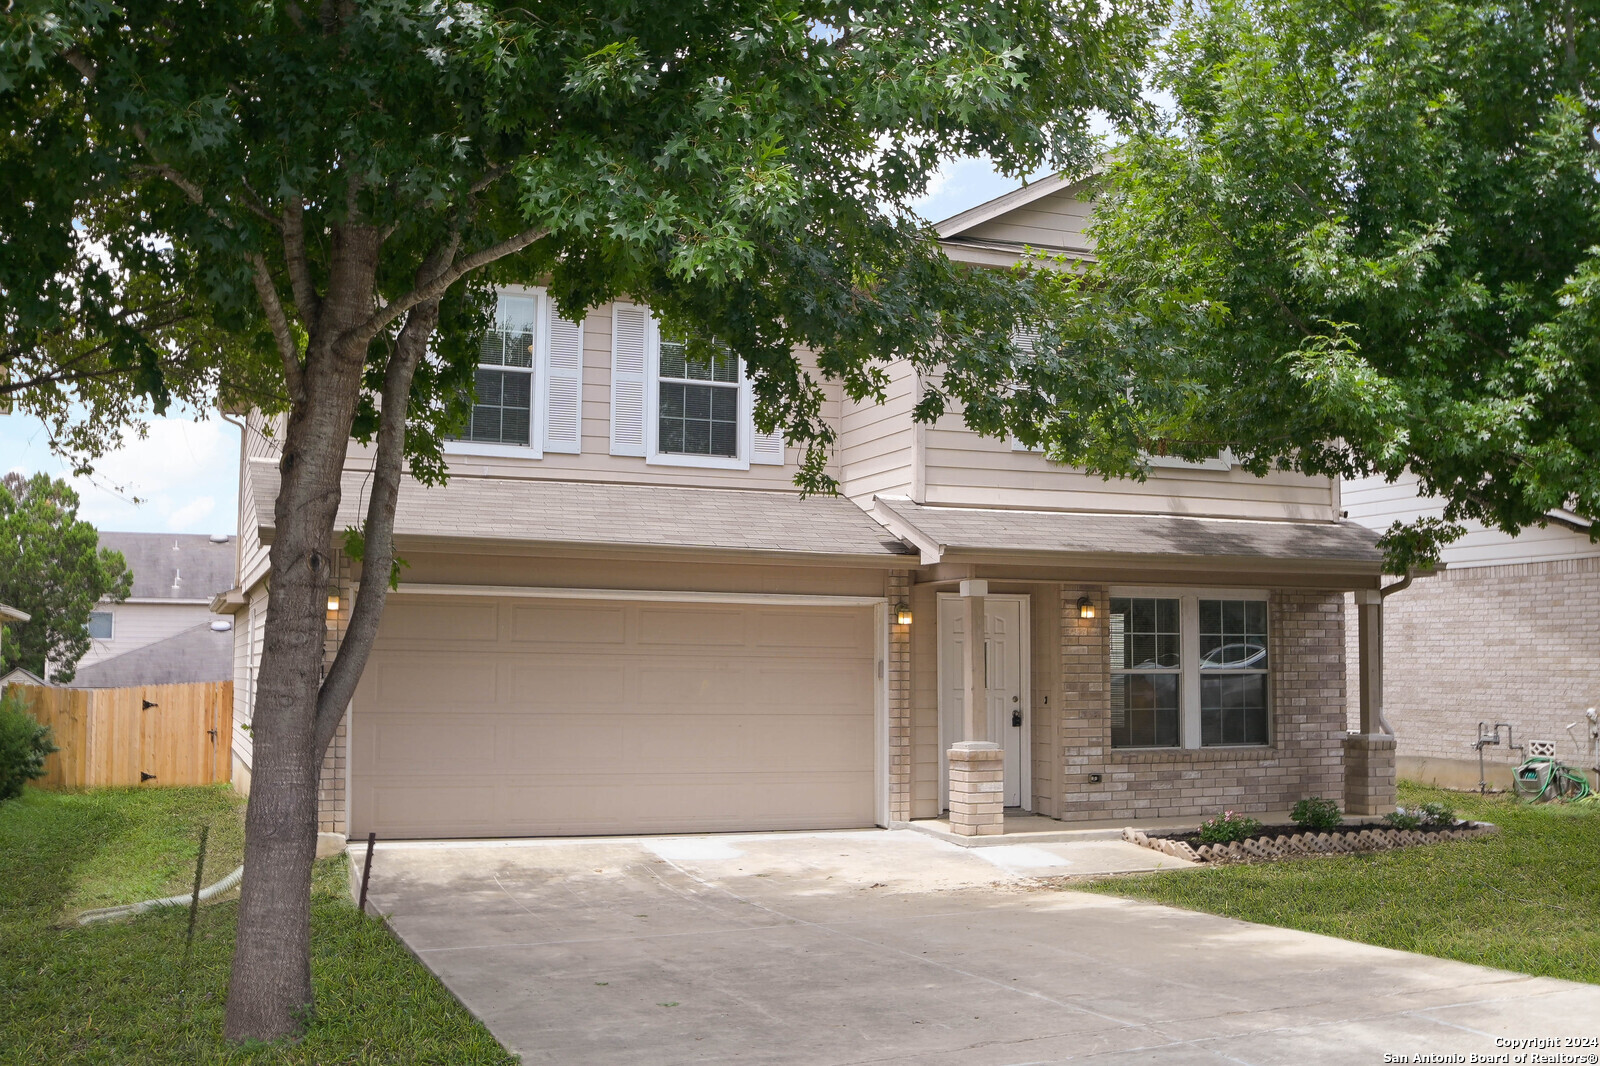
1369 779
977 766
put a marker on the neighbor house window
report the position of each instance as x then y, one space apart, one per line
697 400
502 402
1189 669
100 625
1146 666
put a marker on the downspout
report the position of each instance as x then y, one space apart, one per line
238 507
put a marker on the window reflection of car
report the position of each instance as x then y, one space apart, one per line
1162 662
1235 657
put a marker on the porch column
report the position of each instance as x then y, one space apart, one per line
1369 756
977 766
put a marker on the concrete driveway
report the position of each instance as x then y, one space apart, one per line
893 947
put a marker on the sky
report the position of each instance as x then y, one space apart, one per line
183 477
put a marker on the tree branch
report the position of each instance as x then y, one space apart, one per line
339 686
267 293
294 253
362 335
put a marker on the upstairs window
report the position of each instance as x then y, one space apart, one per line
697 400
100 625
502 402
672 406
528 388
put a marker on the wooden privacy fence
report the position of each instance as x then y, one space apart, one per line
150 735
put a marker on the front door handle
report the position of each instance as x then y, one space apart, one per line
1016 716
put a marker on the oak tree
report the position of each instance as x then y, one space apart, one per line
336 188
1364 237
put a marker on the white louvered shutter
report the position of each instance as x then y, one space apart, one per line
1024 340
766 449
630 343
563 416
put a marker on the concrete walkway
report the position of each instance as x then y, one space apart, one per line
896 948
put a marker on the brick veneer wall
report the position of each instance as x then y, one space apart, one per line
332 810
1517 644
1308 698
899 671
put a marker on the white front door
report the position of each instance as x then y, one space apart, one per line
1005 656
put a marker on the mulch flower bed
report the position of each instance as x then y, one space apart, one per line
1290 841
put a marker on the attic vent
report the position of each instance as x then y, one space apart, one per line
219 538
899 547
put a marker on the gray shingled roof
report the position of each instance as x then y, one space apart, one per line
175 566
974 530
537 511
196 654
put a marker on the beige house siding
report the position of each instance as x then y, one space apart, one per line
1518 644
1378 504
134 625
257 444
249 629
876 449
1054 221
964 469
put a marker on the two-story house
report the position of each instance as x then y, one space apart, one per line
620 616
164 632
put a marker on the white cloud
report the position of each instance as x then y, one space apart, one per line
189 515
183 474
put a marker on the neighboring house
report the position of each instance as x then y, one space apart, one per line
1508 632
620 616
165 631
17 674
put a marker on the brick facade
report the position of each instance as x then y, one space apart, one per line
899 688
1517 644
332 810
1305 758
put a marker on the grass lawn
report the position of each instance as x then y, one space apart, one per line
1525 899
119 992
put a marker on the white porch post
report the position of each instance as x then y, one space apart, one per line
1369 756
977 766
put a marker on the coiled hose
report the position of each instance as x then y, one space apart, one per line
126 909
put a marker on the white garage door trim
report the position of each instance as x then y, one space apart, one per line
781 599
880 616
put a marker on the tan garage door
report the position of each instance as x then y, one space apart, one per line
530 717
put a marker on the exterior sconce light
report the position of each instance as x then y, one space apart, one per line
1085 607
333 601
902 614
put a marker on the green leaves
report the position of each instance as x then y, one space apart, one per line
52 567
1397 205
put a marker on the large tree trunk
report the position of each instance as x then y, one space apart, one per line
269 993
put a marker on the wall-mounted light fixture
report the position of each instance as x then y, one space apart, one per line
333 601
902 614
1085 607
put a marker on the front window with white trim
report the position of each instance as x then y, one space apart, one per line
1189 668
697 399
503 387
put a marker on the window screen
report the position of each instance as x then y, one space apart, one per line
1146 664
502 401
698 400
1233 672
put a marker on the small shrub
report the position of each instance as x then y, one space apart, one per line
24 743
1228 828
1429 814
1316 813
1437 814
